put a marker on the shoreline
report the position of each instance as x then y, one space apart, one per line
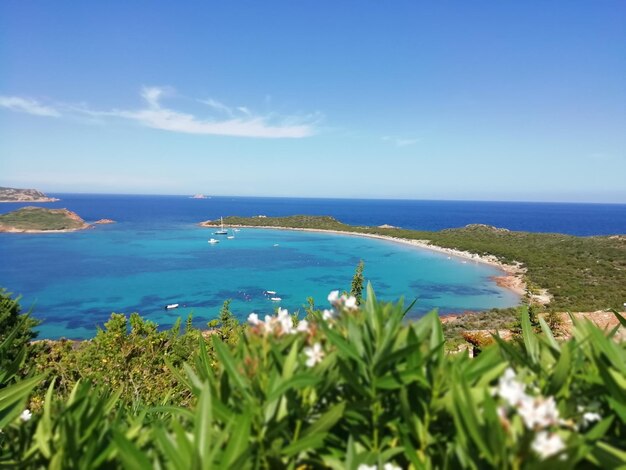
64 230
47 199
512 278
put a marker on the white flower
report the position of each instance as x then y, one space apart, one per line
253 319
333 297
314 354
391 466
546 445
26 415
367 467
268 324
512 391
349 302
285 321
539 413
303 326
328 315
589 417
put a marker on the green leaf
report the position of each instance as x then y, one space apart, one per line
296 382
204 423
238 444
43 434
229 364
130 455
310 442
530 339
14 395
326 421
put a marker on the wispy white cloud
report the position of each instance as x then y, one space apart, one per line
216 105
237 121
160 117
399 141
29 106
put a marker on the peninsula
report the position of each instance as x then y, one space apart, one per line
23 195
560 272
40 220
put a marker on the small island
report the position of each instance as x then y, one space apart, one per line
40 220
24 195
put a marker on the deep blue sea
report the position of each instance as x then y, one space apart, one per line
156 254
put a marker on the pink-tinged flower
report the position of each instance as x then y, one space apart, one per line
253 319
303 326
268 324
333 297
26 415
546 445
314 355
328 315
349 303
539 413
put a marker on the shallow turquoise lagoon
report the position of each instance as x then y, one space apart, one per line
74 281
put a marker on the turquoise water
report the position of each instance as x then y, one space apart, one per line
74 281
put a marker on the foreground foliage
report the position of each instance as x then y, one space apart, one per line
347 387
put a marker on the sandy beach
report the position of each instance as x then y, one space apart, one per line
512 275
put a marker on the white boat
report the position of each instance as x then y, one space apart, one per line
222 230
275 299
213 241
171 306
237 230
231 236
270 292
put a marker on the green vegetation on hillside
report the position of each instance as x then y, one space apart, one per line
40 219
351 387
581 273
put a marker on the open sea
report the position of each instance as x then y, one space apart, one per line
156 255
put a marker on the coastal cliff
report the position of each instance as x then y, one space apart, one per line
23 195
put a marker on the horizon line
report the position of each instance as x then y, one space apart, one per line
357 198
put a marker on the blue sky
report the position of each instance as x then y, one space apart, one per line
419 100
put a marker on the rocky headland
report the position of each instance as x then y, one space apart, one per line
23 195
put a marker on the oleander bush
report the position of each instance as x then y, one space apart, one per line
353 387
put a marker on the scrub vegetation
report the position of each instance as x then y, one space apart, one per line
351 386
41 220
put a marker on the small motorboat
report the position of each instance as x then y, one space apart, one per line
171 306
270 292
213 241
275 299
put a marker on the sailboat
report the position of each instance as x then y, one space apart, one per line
222 230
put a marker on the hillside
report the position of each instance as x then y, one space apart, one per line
40 220
580 273
23 195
